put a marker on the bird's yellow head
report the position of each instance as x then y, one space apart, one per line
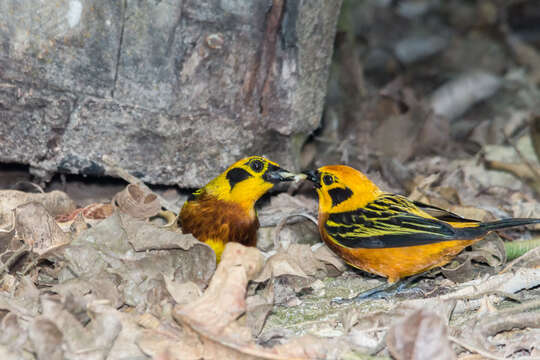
342 188
245 181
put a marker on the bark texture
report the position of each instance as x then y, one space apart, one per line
172 91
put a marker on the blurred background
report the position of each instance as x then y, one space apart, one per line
437 99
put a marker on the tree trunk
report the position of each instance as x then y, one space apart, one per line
172 91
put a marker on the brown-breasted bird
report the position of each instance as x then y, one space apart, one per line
224 209
387 234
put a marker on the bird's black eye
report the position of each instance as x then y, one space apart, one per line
256 165
327 180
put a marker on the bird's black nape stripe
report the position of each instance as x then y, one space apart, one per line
236 175
339 195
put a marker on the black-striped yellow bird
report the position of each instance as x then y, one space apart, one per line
224 209
387 234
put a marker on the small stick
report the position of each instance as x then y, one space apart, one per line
522 307
474 349
491 292
379 347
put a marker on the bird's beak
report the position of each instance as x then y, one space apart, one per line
315 177
275 174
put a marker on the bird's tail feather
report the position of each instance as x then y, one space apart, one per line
483 229
507 223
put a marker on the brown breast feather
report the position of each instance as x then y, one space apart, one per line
210 218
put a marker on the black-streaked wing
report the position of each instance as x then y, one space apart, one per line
388 222
442 214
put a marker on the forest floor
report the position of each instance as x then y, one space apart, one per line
438 101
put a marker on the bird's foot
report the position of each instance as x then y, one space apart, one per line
378 292
385 291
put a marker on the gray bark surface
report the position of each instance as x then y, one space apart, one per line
171 91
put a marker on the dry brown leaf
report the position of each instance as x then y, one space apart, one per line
28 295
137 256
100 287
458 272
46 339
183 293
38 229
133 200
55 202
105 323
95 339
194 260
143 236
74 334
422 335
258 309
454 98
412 129
224 299
297 260
522 342
334 264
526 55
520 170
23 302
366 331
489 250
504 283
312 347
171 345
12 334
212 317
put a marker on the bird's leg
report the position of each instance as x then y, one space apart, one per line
383 291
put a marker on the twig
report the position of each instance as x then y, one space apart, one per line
34 185
491 292
28 267
486 354
474 349
124 174
379 347
522 307
522 278
500 322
